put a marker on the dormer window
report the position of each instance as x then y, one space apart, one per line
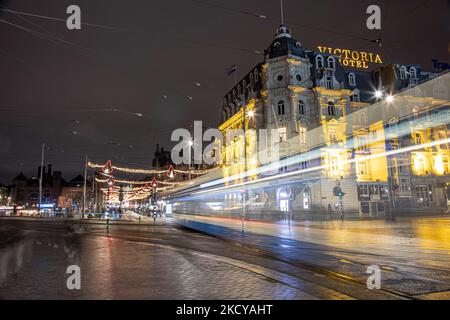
403 73
352 79
356 97
331 63
319 62
413 73
276 44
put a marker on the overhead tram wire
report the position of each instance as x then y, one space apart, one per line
49 38
123 29
21 17
291 23
63 20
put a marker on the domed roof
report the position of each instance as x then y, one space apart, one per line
284 44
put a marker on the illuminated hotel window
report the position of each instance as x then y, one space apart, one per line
361 168
302 134
405 185
364 190
331 109
319 62
361 143
301 107
420 164
281 109
418 138
424 195
335 165
332 135
374 134
282 133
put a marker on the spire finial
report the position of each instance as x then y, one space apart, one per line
282 12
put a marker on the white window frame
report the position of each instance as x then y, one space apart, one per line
352 79
320 63
331 61
403 73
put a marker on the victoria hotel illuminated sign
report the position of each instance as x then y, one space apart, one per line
353 59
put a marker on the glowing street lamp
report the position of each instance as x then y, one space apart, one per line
378 94
390 98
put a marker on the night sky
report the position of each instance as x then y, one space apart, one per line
147 57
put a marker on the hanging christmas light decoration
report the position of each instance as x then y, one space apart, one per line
154 183
170 172
110 169
131 182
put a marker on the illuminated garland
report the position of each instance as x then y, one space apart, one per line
131 182
109 168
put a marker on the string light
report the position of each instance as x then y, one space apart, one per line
110 168
131 182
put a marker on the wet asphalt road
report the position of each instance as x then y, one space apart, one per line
166 261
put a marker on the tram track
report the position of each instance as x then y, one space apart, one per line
286 278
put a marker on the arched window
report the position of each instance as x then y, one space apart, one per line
301 108
234 94
251 79
319 62
256 75
331 63
239 90
413 73
331 109
352 79
224 114
356 97
281 109
403 73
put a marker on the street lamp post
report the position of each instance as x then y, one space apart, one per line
41 176
190 143
84 187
